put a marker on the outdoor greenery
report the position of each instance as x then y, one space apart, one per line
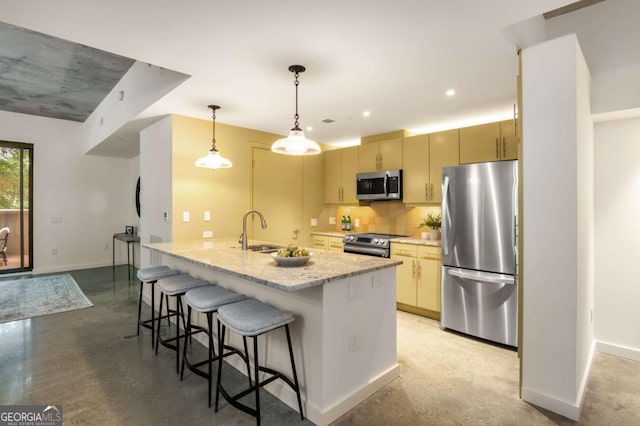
10 178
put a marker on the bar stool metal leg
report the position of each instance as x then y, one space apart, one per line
293 367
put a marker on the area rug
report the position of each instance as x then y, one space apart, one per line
34 297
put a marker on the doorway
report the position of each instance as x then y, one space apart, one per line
16 207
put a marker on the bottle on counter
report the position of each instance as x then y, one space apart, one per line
344 223
349 223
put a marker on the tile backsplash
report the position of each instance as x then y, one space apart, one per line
388 217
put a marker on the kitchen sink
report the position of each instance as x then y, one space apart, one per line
264 248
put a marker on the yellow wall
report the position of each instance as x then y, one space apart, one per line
226 192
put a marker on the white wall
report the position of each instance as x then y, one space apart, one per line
556 212
617 235
91 194
155 184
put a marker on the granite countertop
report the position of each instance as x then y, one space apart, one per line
406 240
225 255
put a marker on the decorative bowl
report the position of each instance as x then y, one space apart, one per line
291 261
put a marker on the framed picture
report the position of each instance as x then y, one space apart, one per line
128 229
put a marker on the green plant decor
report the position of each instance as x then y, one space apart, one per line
433 221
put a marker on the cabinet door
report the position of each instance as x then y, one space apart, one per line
349 170
390 154
332 176
405 280
415 173
319 242
509 141
429 284
428 280
443 151
335 244
368 157
480 143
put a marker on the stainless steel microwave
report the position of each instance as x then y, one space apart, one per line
384 185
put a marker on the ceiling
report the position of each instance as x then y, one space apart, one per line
393 59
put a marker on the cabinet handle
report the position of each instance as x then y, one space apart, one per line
419 275
431 192
515 121
413 271
504 148
426 192
497 148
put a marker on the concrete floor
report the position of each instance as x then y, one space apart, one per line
91 362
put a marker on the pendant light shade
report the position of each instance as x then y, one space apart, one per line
213 159
296 143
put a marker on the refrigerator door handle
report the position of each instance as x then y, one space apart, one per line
483 277
445 214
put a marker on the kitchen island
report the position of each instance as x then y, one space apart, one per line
344 335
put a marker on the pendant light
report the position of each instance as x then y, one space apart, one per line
296 143
213 160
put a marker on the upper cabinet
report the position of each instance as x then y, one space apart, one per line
381 155
488 142
340 168
424 156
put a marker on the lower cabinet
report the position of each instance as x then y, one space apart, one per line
326 242
418 279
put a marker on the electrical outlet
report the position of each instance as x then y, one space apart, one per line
207 216
376 281
314 221
207 234
332 220
355 341
54 252
357 223
165 216
107 246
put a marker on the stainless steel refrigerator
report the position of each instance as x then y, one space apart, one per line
479 225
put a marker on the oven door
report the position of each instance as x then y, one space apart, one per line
366 250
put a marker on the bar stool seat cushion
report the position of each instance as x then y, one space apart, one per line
154 273
179 284
210 298
252 317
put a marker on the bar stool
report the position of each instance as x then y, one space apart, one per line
252 318
207 300
150 276
175 286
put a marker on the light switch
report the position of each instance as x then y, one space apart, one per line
185 216
207 216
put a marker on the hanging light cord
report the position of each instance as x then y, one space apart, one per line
213 131
296 117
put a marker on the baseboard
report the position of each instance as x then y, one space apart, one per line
571 410
564 408
65 268
618 350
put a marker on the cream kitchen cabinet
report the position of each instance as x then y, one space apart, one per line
418 279
340 168
327 242
488 142
335 244
423 157
381 155
320 242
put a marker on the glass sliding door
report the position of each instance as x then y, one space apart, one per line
16 211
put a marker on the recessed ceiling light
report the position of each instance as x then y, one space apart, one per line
450 92
309 128
366 113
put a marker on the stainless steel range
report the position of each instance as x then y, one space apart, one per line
369 244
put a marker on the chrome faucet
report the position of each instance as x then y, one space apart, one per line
243 237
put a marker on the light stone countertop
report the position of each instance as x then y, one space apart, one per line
225 255
406 240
